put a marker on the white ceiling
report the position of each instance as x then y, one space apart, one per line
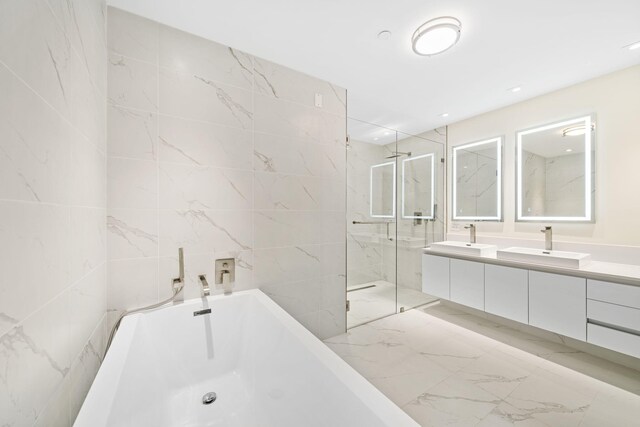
541 45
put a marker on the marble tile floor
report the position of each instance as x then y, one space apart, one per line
373 300
445 367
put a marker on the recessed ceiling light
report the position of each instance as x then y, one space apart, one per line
515 89
568 150
384 35
633 46
387 133
436 36
444 115
375 139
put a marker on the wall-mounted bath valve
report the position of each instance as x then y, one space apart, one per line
225 273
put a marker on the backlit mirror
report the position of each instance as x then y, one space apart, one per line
383 190
555 172
418 187
477 181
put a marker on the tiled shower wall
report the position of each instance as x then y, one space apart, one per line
52 207
226 155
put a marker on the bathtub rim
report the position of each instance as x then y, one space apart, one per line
97 406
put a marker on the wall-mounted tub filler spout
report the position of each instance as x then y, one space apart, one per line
205 286
472 232
548 238
178 286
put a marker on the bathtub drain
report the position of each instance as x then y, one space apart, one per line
209 398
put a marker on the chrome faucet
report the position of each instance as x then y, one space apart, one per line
178 283
472 232
205 286
548 238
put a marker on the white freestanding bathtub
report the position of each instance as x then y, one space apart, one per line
265 368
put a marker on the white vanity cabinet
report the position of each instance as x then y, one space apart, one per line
602 313
613 313
435 276
557 304
506 292
467 283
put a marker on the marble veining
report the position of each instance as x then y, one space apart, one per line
444 366
226 155
52 203
226 99
124 230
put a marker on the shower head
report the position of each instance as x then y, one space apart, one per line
397 154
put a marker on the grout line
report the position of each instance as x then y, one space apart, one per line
222 125
53 299
62 116
50 204
252 89
336 176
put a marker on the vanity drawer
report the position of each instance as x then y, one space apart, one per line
612 339
615 293
613 314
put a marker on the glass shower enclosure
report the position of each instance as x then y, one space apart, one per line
395 191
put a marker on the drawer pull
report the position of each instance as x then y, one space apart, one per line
615 327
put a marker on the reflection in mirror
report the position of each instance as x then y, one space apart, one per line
553 162
477 180
418 187
383 190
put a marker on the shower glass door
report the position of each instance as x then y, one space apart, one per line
371 222
420 219
395 195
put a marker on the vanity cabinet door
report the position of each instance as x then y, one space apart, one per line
557 303
467 283
506 292
435 276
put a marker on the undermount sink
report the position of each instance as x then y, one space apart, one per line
463 248
539 256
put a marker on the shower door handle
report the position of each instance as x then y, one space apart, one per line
387 223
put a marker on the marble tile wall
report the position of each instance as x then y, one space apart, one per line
52 207
226 155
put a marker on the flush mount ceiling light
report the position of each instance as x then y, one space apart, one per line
576 130
436 36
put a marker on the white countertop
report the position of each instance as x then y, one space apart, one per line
606 271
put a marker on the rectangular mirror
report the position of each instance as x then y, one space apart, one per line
418 187
555 172
477 181
382 187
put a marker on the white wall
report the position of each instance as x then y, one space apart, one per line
52 207
226 155
615 99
